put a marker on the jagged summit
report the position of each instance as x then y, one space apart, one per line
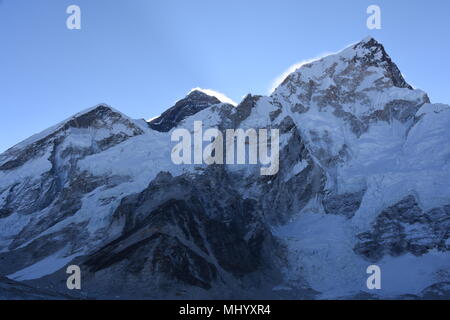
194 102
90 116
374 54
369 46
355 82
351 65
93 129
368 39
98 116
198 94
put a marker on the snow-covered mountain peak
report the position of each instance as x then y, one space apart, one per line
374 53
359 81
193 103
364 57
98 116
92 130
199 95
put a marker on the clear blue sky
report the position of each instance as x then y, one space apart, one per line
140 56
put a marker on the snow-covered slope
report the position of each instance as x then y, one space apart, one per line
363 179
372 133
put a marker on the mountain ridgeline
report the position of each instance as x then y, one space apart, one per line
363 179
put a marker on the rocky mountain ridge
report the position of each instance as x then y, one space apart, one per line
363 179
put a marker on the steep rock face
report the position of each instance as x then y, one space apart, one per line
101 118
299 179
405 227
343 204
344 106
349 91
196 101
358 81
42 186
179 232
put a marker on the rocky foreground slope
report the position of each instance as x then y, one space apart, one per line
363 179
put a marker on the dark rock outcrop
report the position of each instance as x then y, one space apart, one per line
195 102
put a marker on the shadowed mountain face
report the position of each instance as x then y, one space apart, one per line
10 289
196 101
363 179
